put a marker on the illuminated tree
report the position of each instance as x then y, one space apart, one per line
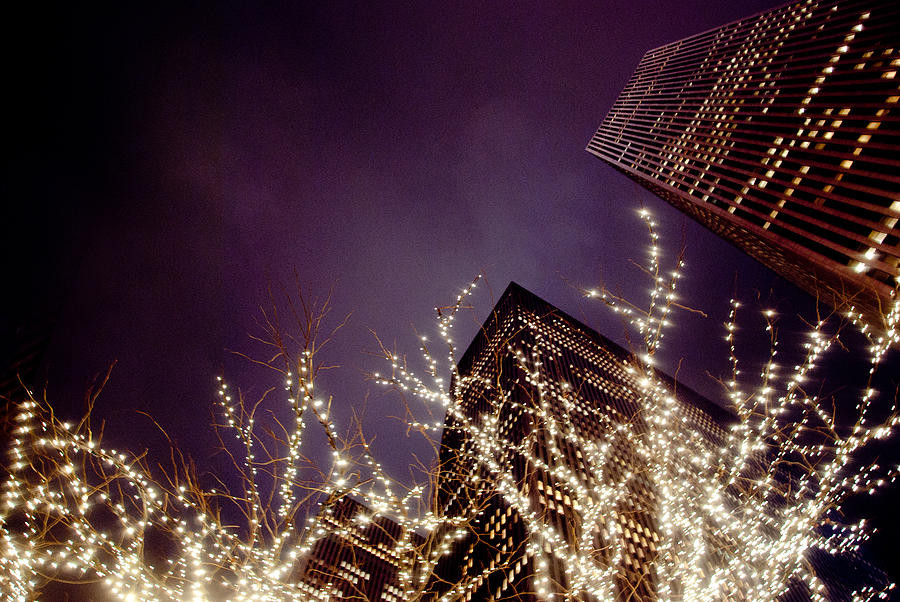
738 507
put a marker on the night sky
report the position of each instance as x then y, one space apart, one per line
164 164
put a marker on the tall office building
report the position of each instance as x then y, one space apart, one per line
781 133
542 396
556 488
358 559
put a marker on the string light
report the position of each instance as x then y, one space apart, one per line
730 519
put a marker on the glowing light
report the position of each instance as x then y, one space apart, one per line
728 516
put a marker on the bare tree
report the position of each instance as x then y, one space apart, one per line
551 479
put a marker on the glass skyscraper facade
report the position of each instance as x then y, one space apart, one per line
358 559
555 482
549 390
781 133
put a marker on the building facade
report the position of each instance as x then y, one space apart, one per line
569 470
358 559
544 402
781 133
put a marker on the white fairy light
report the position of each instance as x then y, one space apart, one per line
72 509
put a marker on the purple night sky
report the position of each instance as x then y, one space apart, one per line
166 162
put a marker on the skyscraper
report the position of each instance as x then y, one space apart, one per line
548 395
781 133
570 470
358 558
